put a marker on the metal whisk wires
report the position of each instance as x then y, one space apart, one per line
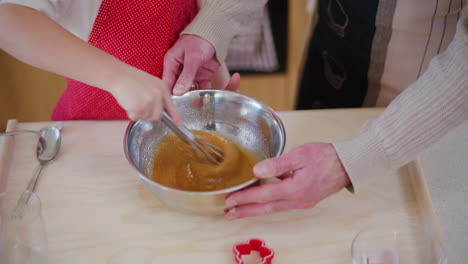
204 151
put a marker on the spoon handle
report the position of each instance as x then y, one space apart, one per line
24 198
18 132
58 125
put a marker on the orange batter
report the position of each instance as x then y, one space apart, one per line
176 165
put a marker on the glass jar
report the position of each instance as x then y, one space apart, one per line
23 238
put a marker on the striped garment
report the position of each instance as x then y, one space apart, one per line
254 50
364 53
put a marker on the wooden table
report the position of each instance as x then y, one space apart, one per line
97 210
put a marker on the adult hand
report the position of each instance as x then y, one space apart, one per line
233 84
308 174
190 61
142 95
223 80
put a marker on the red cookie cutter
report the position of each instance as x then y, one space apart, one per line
255 244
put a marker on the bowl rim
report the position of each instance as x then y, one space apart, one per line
215 192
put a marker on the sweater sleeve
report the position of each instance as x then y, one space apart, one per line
426 111
218 21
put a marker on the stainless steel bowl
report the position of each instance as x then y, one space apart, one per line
246 121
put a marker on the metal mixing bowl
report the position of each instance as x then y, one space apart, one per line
246 121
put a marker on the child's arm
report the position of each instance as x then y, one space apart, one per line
35 39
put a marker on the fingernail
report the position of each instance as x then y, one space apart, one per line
230 215
260 170
230 202
178 89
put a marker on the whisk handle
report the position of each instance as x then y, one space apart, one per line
181 131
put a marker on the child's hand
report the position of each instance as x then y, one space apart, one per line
143 96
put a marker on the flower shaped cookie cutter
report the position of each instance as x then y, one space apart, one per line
254 244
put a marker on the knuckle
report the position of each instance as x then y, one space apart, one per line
145 103
169 55
275 166
199 57
135 114
132 116
184 79
295 196
241 214
279 165
263 196
157 114
195 56
299 194
135 109
269 208
166 59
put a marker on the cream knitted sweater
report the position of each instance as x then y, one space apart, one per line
219 21
426 111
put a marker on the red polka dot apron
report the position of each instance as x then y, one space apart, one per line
137 32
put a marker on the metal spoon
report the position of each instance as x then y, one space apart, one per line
20 131
48 146
58 125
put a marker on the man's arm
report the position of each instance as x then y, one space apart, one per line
218 21
426 111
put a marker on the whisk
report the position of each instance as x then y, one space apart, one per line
204 151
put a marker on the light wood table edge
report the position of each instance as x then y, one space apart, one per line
423 198
6 143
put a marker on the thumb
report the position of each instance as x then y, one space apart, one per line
190 69
275 167
234 83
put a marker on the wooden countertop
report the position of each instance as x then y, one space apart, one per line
97 210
